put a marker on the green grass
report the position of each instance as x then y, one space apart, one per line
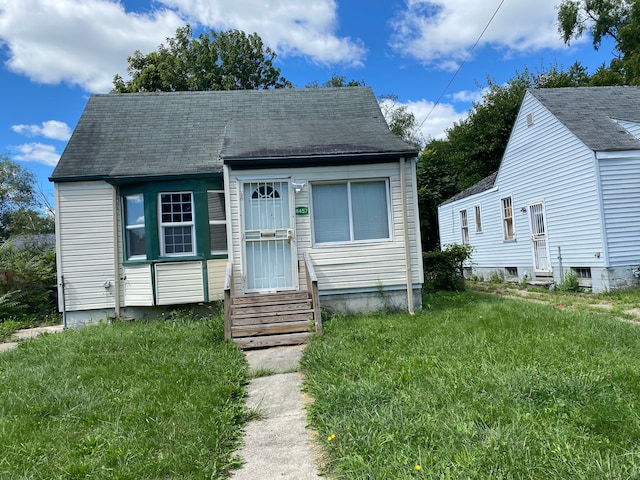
476 387
136 400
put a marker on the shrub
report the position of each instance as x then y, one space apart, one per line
570 283
34 270
444 269
496 277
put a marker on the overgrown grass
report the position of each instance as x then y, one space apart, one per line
477 387
136 400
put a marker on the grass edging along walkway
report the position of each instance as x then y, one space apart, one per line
477 386
150 400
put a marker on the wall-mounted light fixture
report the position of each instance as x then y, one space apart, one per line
298 186
523 210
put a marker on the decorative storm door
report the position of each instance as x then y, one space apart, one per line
269 242
539 238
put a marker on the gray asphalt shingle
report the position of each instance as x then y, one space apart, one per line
155 134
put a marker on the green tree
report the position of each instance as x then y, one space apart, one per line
401 121
337 81
602 19
229 60
20 209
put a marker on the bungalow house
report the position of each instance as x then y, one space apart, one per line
166 199
566 196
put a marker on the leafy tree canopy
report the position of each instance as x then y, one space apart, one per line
602 19
229 60
20 211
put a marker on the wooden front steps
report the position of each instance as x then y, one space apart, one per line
269 320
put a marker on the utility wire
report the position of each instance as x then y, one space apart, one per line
462 64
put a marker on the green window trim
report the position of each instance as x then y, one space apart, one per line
150 192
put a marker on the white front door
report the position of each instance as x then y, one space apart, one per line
269 236
539 243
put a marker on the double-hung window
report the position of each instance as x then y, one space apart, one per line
351 211
177 235
464 227
478 219
507 219
134 226
217 221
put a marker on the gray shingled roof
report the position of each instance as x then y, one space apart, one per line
156 134
589 112
483 185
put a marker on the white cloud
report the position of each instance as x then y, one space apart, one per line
290 27
37 152
440 33
80 42
86 42
53 129
432 120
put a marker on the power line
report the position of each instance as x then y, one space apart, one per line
462 64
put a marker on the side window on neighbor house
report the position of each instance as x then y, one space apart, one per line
177 226
464 227
478 219
351 211
134 226
507 218
217 221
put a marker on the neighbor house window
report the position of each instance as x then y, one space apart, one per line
217 221
464 227
351 211
134 226
478 219
507 218
177 236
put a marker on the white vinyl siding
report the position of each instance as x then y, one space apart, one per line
216 271
344 266
620 183
179 283
84 237
138 289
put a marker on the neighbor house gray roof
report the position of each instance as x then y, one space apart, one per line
159 134
590 113
483 185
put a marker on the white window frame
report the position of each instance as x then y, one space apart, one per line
506 203
478 218
162 225
218 222
350 207
464 227
136 226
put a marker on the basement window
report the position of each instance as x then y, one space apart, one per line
583 273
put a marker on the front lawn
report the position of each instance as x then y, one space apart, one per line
477 386
139 400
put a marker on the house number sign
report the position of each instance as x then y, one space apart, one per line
302 211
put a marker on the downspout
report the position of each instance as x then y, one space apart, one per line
116 250
405 232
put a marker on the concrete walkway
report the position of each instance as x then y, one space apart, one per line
277 445
28 333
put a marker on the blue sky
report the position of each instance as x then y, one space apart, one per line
54 54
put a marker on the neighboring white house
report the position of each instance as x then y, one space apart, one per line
156 192
566 195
